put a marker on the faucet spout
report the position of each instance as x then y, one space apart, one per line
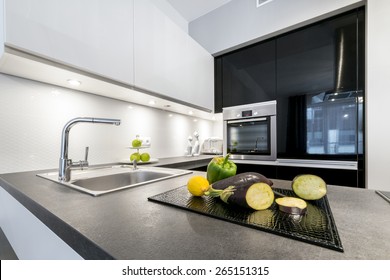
65 163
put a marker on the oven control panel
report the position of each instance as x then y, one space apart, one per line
246 113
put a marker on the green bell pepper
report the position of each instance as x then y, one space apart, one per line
220 168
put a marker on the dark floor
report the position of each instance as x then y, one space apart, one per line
6 251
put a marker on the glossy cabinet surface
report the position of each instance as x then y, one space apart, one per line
95 36
2 34
246 76
320 102
168 61
316 74
132 42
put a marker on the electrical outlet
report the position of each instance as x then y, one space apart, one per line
146 141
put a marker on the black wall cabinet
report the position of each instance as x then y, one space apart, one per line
301 61
316 74
246 76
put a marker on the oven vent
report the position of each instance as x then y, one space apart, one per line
262 2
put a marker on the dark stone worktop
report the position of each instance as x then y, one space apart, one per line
125 225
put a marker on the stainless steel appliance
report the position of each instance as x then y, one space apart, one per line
250 131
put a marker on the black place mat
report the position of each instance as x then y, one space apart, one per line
317 226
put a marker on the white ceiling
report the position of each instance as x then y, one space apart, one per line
192 9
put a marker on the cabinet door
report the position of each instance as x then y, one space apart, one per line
2 35
168 61
248 75
317 86
94 35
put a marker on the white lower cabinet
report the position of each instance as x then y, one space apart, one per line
28 236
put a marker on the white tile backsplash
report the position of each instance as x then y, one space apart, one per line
32 116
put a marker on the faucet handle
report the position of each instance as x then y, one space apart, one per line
84 163
86 154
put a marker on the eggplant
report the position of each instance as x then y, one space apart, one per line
250 190
242 179
309 187
291 205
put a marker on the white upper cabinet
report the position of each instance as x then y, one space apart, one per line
168 61
94 35
2 35
128 41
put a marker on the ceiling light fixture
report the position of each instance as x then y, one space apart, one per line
74 82
152 102
190 112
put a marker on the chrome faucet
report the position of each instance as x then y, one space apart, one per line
65 163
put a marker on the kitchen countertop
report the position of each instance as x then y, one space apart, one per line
125 225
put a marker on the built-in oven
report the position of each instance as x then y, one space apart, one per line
250 131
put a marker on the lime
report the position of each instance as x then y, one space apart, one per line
135 156
145 157
136 143
198 185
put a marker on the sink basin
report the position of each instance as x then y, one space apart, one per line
102 180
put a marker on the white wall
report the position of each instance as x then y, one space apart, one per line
241 22
32 116
378 95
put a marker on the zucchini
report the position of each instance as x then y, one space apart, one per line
249 190
309 187
291 205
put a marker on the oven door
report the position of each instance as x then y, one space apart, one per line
252 139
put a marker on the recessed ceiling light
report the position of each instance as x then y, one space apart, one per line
190 112
74 82
262 2
152 102
170 115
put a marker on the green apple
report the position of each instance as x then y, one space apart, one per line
145 157
136 143
135 156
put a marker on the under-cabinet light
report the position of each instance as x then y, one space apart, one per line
74 82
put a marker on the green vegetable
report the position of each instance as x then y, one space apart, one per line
250 190
309 187
220 168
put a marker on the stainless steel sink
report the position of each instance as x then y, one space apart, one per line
102 180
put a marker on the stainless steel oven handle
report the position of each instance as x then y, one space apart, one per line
247 120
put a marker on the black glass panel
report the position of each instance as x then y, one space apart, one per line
319 92
248 75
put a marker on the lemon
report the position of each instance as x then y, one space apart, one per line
145 157
197 185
